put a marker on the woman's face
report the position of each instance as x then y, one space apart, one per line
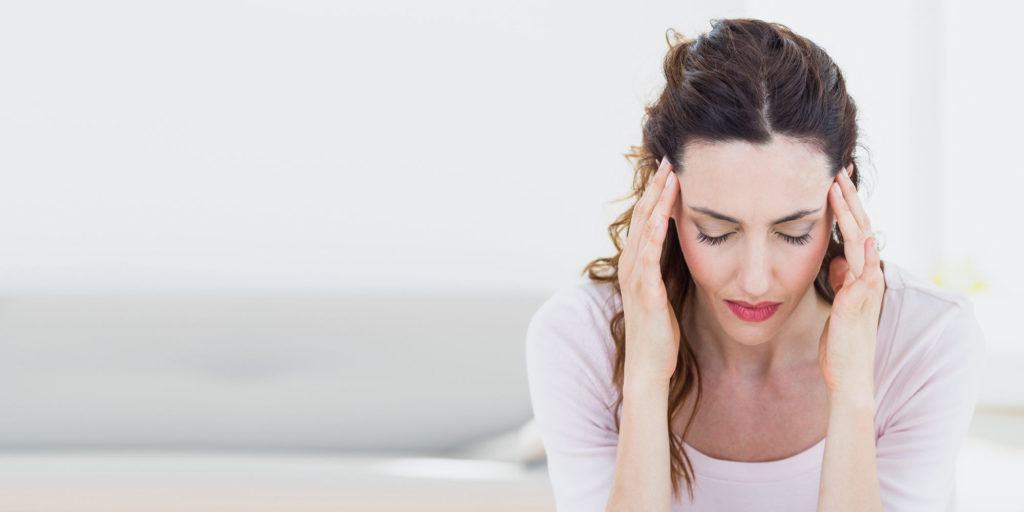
758 260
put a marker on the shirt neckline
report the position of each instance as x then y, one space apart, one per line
779 469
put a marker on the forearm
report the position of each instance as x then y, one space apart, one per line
849 472
642 478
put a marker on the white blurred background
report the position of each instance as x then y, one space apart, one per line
312 233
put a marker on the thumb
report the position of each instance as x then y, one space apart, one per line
837 269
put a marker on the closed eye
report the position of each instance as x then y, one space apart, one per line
715 240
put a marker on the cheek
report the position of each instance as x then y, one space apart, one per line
703 261
808 259
811 257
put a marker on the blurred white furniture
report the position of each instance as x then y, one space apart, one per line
267 403
360 374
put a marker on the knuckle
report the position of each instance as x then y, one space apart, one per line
655 222
638 211
637 286
651 258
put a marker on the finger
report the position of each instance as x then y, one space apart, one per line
650 262
863 289
660 212
837 270
654 188
853 237
655 234
666 200
873 263
853 199
642 209
875 276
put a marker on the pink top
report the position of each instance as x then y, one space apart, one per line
929 359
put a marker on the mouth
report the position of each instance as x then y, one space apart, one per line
753 312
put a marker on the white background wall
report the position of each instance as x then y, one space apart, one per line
410 146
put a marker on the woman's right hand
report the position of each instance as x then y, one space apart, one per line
652 331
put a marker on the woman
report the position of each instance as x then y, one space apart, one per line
747 340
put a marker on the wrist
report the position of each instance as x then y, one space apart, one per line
644 385
851 400
642 372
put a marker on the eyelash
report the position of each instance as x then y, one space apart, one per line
715 240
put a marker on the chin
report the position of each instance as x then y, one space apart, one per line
751 336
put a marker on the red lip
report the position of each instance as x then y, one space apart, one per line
758 305
753 314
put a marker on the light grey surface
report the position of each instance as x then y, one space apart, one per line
109 481
376 374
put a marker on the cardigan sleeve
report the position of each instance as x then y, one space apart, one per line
916 454
568 370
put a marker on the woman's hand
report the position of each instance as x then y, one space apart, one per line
846 351
652 329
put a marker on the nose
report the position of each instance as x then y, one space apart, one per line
755 270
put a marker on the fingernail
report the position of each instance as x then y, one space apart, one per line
846 172
668 179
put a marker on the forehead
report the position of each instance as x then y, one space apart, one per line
755 181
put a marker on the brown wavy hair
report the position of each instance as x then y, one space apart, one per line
743 80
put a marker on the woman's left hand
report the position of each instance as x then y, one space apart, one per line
846 350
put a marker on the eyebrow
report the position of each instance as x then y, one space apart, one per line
787 218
